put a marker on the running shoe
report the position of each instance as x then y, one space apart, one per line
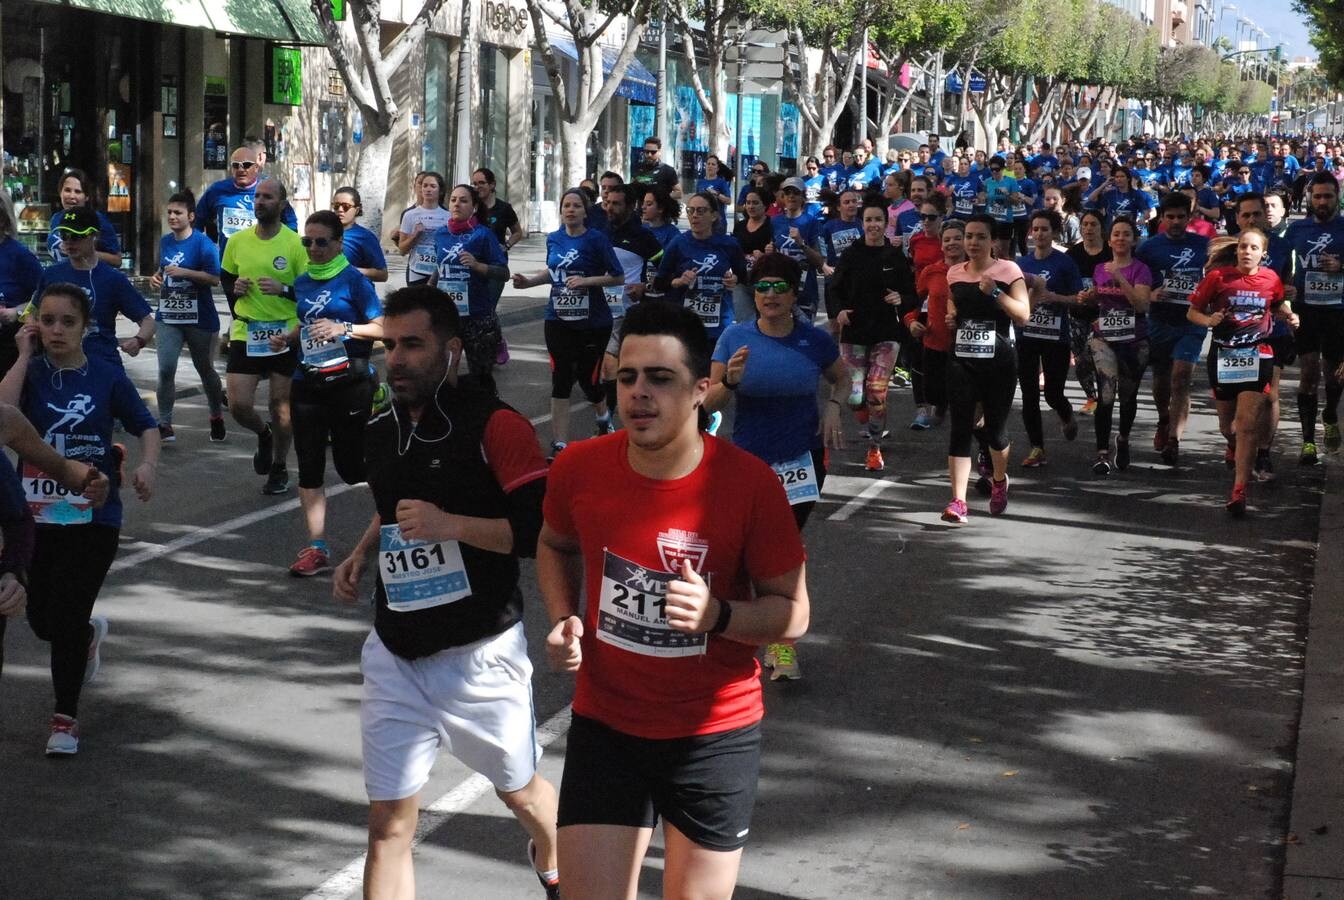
715 421
922 422
217 429
1070 428
998 496
311 561
556 447
277 482
768 660
873 461
95 661
1332 437
1236 504
166 434
900 377
63 736
1102 464
502 353
604 425
1230 457
552 887
1264 468
956 513
1122 453
1171 453
1035 458
265 455
1308 457
1160 436
1089 407
786 664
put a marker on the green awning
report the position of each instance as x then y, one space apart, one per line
286 21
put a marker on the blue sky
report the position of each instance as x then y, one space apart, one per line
1278 17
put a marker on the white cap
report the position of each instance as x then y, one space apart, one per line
1083 174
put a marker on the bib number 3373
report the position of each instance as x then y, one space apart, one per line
420 574
632 615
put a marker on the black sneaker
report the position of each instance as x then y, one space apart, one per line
1122 454
217 431
1264 468
552 888
265 455
277 482
166 434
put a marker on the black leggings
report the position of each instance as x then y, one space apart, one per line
802 510
989 382
576 355
935 378
1053 357
480 344
1120 368
69 565
331 413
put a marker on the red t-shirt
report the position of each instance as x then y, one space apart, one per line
931 284
730 518
1247 299
925 249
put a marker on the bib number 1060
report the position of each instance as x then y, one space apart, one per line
414 560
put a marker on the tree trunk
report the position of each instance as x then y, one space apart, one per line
375 159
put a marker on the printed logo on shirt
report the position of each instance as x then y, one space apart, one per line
280 263
72 414
1318 245
1182 260
567 259
319 304
708 263
676 545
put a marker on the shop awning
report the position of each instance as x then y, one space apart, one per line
639 84
287 21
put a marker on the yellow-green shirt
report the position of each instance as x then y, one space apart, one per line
248 256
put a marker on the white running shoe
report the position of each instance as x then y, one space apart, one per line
99 624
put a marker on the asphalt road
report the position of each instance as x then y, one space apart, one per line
1095 695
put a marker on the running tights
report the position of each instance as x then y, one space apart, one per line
991 383
870 368
330 414
1032 357
1119 371
1080 331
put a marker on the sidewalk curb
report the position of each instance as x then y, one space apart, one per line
1314 861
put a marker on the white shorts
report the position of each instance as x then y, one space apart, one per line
475 701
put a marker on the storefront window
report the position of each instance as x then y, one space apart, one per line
494 76
437 150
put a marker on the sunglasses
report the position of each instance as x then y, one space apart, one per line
320 243
241 166
342 206
930 217
697 210
773 287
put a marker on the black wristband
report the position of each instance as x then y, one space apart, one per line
728 386
725 616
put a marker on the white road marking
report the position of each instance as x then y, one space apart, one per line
433 817
574 407
859 502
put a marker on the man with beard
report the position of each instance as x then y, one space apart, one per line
258 272
458 483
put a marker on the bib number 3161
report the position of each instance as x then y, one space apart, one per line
420 574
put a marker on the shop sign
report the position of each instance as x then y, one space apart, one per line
284 85
216 121
504 21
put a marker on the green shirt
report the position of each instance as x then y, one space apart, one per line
248 256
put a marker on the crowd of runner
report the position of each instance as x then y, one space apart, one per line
961 274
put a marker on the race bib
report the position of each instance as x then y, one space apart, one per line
179 308
707 307
233 220
259 336
1238 365
1044 324
1325 288
424 259
963 206
50 502
571 304
418 574
1178 288
975 340
457 292
631 611
321 353
1087 283
799 479
1117 325
615 294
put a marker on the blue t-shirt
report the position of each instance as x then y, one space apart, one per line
73 410
808 230
587 255
665 232
833 175
1132 203
1177 267
711 259
182 301
363 249
718 186
1207 198
20 273
109 293
346 297
1027 188
1050 321
812 188
907 223
481 243
108 240
1311 240
837 235
962 189
776 417
230 209
997 203
867 176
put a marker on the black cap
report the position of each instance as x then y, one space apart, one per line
80 222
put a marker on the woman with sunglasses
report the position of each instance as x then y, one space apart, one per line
759 172
873 286
470 262
415 234
814 186
987 296
360 245
339 318
76 192
700 268
773 366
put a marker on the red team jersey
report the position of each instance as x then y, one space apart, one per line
1247 298
731 519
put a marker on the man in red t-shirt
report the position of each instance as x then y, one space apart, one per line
688 558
